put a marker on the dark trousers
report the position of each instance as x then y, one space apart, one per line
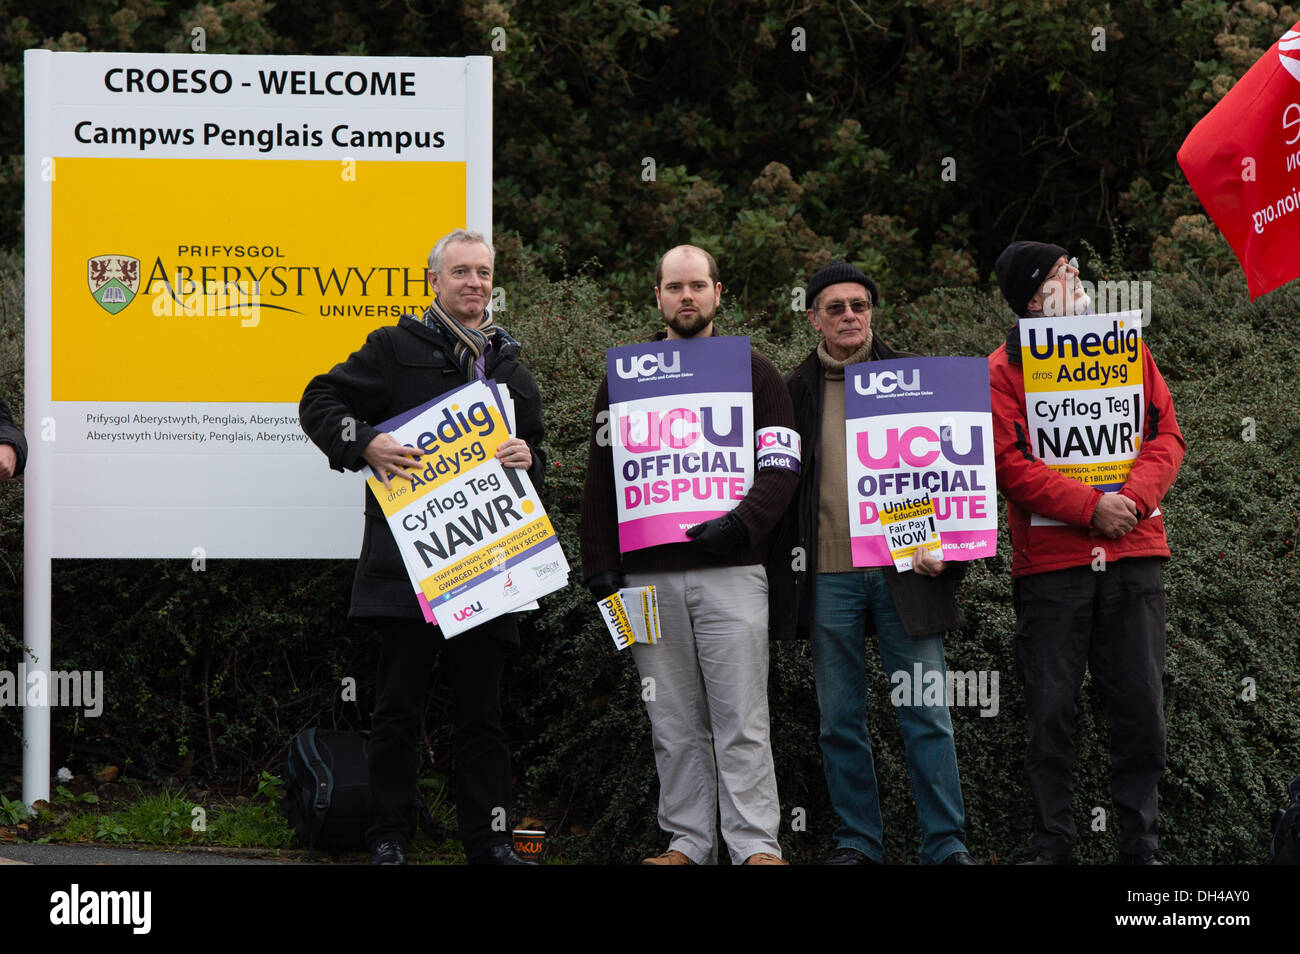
1112 622
482 758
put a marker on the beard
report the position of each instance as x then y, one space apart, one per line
1073 301
688 326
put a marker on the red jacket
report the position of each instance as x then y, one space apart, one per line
1030 486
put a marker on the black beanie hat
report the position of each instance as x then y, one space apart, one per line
837 272
1022 268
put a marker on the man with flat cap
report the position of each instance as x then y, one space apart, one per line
836 604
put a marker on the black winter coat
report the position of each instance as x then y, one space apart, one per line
926 605
400 367
11 434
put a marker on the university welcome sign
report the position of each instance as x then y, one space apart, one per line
206 234
203 235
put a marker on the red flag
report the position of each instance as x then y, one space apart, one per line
1243 160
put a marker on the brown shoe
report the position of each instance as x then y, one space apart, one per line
672 857
765 858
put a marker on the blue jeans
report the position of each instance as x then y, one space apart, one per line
843 602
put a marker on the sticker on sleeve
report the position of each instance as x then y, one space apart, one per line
778 447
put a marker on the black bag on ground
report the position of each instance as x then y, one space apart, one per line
327 791
1284 849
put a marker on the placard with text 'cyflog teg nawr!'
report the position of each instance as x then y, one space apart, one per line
474 536
1083 396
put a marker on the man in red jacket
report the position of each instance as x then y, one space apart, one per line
1088 593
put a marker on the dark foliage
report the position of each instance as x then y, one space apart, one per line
777 159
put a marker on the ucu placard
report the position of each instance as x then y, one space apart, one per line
681 421
921 428
473 535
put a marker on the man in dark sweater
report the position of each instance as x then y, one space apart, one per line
400 367
708 673
818 593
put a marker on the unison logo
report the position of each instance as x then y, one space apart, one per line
1288 51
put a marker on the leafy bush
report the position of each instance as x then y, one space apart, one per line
915 138
786 159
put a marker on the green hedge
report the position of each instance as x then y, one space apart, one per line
777 159
210 673
917 138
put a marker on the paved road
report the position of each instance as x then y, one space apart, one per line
19 854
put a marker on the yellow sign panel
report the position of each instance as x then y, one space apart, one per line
233 279
1083 361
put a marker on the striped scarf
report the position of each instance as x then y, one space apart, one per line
471 344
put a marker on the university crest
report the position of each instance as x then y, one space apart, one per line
114 280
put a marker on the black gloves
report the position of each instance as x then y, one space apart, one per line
606 584
721 535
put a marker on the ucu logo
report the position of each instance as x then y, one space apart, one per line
681 427
778 447
645 365
468 611
902 448
886 382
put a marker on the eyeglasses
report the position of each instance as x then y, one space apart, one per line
860 306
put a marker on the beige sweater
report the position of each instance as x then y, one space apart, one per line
834 553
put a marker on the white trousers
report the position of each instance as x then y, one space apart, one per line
708 710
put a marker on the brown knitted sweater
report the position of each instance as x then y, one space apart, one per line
834 544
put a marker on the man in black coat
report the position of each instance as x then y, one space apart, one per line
13 446
400 367
817 593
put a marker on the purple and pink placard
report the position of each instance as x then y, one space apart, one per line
914 425
681 420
